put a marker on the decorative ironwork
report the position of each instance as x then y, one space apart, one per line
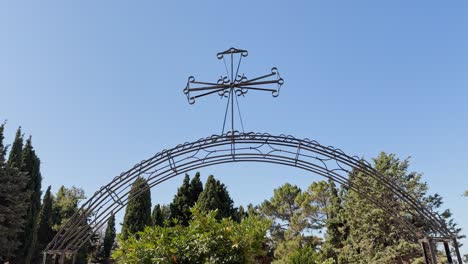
234 146
233 84
304 154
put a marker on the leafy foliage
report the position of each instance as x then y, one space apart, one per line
307 255
204 240
65 205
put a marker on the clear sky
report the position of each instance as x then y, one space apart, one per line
99 85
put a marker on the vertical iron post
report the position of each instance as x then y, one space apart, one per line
447 252
44 257
457 250
426 256
62 258
74 257
432 251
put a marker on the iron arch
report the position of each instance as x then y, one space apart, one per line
285 150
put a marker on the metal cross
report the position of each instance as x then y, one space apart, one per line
233 84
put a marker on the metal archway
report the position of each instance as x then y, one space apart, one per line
284 150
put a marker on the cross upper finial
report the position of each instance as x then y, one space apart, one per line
233 84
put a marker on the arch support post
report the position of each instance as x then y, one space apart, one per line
44 257
62 258
74 258
429 251
425 253
429 246
447 253
457 250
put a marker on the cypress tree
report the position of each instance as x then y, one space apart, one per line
195 189
337 229
43 233
240 214
31 165
15 157
215 196
13 198
109 237
138 211
157 218
180 206
186 197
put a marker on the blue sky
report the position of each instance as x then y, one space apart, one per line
99 84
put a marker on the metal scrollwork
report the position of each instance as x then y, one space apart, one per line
233 84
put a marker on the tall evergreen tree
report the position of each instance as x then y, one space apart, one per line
109 237
337 229
31 166
179 207
373 237
13 198
157 218
195 189
215 196
240 214
138 211
16 153
186 197
43 233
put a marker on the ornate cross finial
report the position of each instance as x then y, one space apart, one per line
233 84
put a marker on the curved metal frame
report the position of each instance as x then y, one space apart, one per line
285 150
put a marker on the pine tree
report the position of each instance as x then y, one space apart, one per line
182 202
283 208
109 237
372 236
215 196
43 233
13 198
31 165
138 211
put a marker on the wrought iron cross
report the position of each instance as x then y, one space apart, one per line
233 84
